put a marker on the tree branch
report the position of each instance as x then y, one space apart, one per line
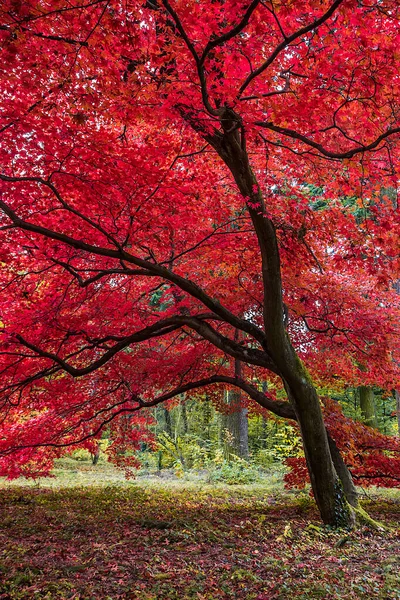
162 327
218 41
153 269
328 153
287 41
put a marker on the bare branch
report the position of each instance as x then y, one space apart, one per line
280 408
161 328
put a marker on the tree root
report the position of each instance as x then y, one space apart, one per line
361 516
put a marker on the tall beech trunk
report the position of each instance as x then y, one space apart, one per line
328 491
235 423
367 405
234 426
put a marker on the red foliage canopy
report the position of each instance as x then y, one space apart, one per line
128 255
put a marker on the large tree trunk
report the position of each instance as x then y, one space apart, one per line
328 491
287 412
235 427
367 405
343 473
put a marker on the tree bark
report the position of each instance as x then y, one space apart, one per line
344 474
96 455
286 411
168 422
367 405
234 426
264 387
328 490
243 424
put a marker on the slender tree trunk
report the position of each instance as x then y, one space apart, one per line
96 455
263 433
185 424
244 433
328 491
242 419
264 388
367 405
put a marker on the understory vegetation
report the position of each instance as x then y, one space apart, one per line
236 446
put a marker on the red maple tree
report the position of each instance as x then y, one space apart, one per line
161 169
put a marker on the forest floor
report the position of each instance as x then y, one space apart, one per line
153 539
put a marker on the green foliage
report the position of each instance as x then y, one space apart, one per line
236 471
385 406
81 455
84 455
287 443
263 458
194 438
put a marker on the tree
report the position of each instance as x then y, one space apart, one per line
155 201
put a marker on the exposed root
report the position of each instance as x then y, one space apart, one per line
363 517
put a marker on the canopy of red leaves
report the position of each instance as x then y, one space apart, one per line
128 257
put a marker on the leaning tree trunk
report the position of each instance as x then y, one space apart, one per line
328 492
344 474
397 392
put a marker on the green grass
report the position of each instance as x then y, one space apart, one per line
76 473
153 539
